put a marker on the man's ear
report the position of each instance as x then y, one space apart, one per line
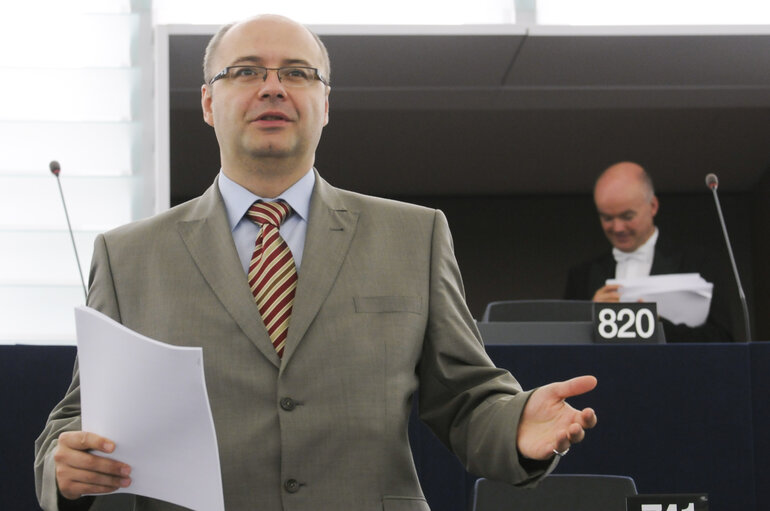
326 106
654 205
208 115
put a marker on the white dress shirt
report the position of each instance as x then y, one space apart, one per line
630 265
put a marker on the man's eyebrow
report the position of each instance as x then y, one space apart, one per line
246 60
297 62
622 213
258 61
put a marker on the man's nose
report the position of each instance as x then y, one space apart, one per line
618 225
271 86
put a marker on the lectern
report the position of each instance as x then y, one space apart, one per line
544 322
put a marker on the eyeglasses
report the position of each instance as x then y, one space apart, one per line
296 76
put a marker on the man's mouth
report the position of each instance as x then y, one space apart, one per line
272 116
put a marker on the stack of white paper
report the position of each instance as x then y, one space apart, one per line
680 297
150 399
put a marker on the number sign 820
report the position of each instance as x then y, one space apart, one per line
626 323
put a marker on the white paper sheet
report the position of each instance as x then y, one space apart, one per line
681 297
150 398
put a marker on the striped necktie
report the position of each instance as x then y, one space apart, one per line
272 274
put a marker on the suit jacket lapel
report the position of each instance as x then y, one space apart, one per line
330 230
601 270
206 234
665 260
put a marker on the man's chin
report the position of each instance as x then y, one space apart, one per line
270 151
624 246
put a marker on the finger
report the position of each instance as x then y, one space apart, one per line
79 490
97 479
81 472
70 453
74 481
588 418
606 297
576 433
574 386
609 288
81 460
564 443
90 484
84 441
78 473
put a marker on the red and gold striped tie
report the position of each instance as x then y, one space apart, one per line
272 274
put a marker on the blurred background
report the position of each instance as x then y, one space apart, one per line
501 113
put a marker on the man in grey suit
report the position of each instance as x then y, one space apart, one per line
378 315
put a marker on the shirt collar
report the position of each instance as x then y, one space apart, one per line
238 199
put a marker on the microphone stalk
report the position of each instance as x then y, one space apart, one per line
713 183
55 170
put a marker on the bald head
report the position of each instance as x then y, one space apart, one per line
626 203
209 58
625 174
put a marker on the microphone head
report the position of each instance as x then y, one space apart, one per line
712 181
55 168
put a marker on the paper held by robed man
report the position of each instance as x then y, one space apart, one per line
150 399
680 297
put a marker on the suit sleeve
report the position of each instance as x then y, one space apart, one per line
471 405
66 415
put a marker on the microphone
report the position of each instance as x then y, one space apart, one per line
55 170
713 183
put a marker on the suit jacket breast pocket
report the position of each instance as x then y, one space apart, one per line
404 504
376 304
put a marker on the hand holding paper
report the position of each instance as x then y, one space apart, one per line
82 471
681 298
607 293
150 399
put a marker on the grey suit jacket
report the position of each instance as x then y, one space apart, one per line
379 315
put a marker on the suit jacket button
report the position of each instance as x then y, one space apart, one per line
291 486
288 404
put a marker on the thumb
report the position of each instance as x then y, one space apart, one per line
574 386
